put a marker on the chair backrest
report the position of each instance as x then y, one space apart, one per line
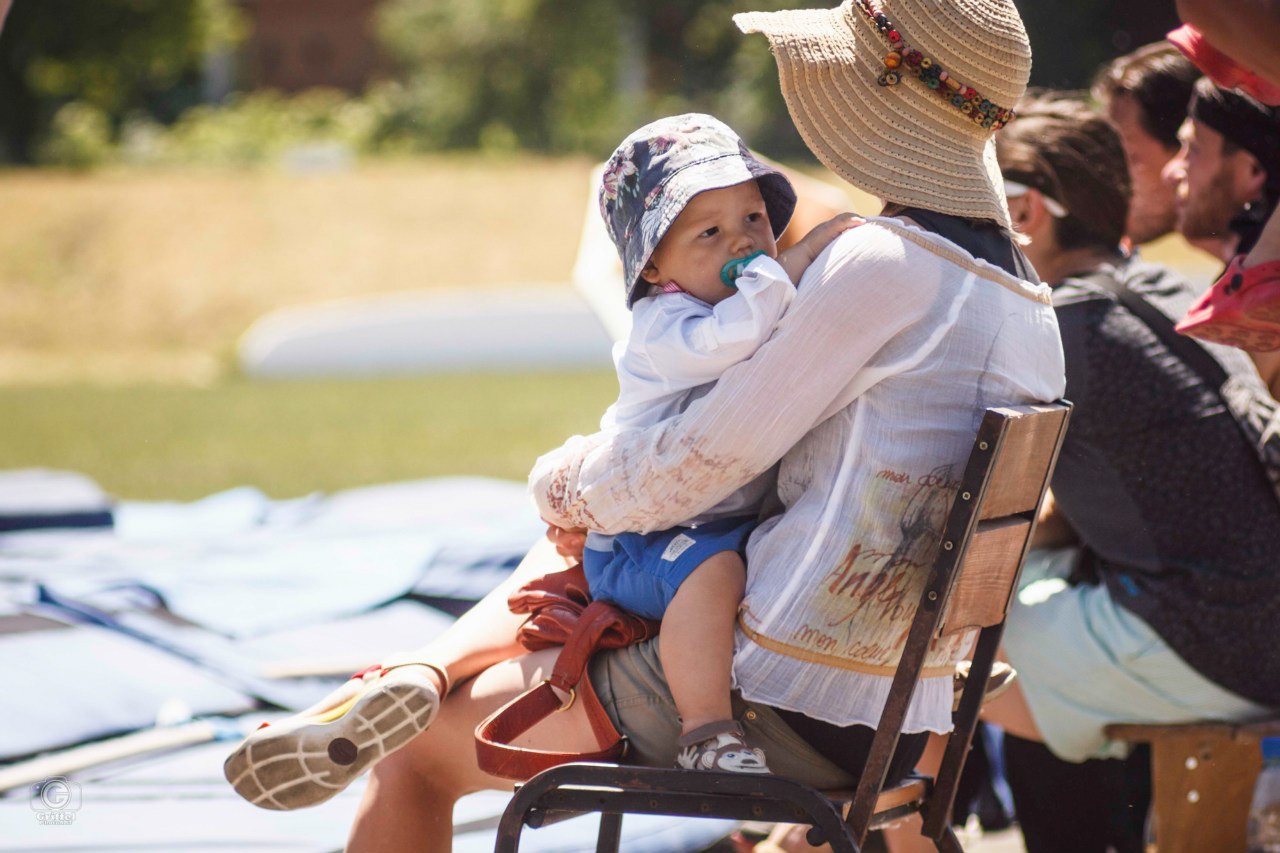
1006 479
970 586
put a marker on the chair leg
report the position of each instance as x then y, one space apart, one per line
610 833
948 842
509 829
511 824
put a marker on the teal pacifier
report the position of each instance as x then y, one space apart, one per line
732 271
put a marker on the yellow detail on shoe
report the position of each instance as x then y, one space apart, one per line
337 711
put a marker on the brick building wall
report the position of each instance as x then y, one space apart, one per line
298 44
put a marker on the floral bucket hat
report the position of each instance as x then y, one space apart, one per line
659 168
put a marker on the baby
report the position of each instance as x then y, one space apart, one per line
695 217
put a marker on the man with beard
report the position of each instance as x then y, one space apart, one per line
1226 180
1226 175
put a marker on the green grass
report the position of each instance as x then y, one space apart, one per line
292 438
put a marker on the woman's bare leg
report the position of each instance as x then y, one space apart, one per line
485 634
408 805
1011 712
904 836
309 757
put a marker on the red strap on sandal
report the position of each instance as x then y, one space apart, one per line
377 667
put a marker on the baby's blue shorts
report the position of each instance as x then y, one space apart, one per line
642 571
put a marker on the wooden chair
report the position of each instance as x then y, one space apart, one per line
1202 778
970 586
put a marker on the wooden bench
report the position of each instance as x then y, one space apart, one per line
1202 778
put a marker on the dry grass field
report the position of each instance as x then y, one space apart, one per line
128 276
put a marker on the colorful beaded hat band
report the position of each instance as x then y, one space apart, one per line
902 57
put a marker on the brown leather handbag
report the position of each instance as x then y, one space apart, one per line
561 612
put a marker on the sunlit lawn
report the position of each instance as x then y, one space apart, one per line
122 294
290 438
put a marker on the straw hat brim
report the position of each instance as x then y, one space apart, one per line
900 143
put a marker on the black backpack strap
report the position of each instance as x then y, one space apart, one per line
1258 417
1186 349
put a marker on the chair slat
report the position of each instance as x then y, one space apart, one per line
983 591
909 790
1029 446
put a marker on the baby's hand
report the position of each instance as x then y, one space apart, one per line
569 541
797 259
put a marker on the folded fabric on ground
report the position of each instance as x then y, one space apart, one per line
241 564
74 680
227 606
68 682
236 601
35 498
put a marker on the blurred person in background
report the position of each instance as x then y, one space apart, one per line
1145 94
1226 179
1233 41
1152 596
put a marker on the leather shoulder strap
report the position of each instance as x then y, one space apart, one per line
495 753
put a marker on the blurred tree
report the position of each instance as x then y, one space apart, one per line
545 75
499 74
112 55
699 60
556 76
1071 40
551 76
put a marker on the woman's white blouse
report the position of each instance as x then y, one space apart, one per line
870 392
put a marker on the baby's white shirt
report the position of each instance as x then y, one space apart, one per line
679 346
679 343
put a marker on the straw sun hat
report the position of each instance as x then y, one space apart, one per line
904 107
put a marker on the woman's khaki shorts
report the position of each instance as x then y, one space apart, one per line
634 693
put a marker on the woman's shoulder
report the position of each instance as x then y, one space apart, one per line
911 252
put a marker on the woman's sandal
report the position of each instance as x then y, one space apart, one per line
305 759
719 746
1000 680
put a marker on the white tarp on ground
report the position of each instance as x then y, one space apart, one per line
180 804
204 609
200 605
